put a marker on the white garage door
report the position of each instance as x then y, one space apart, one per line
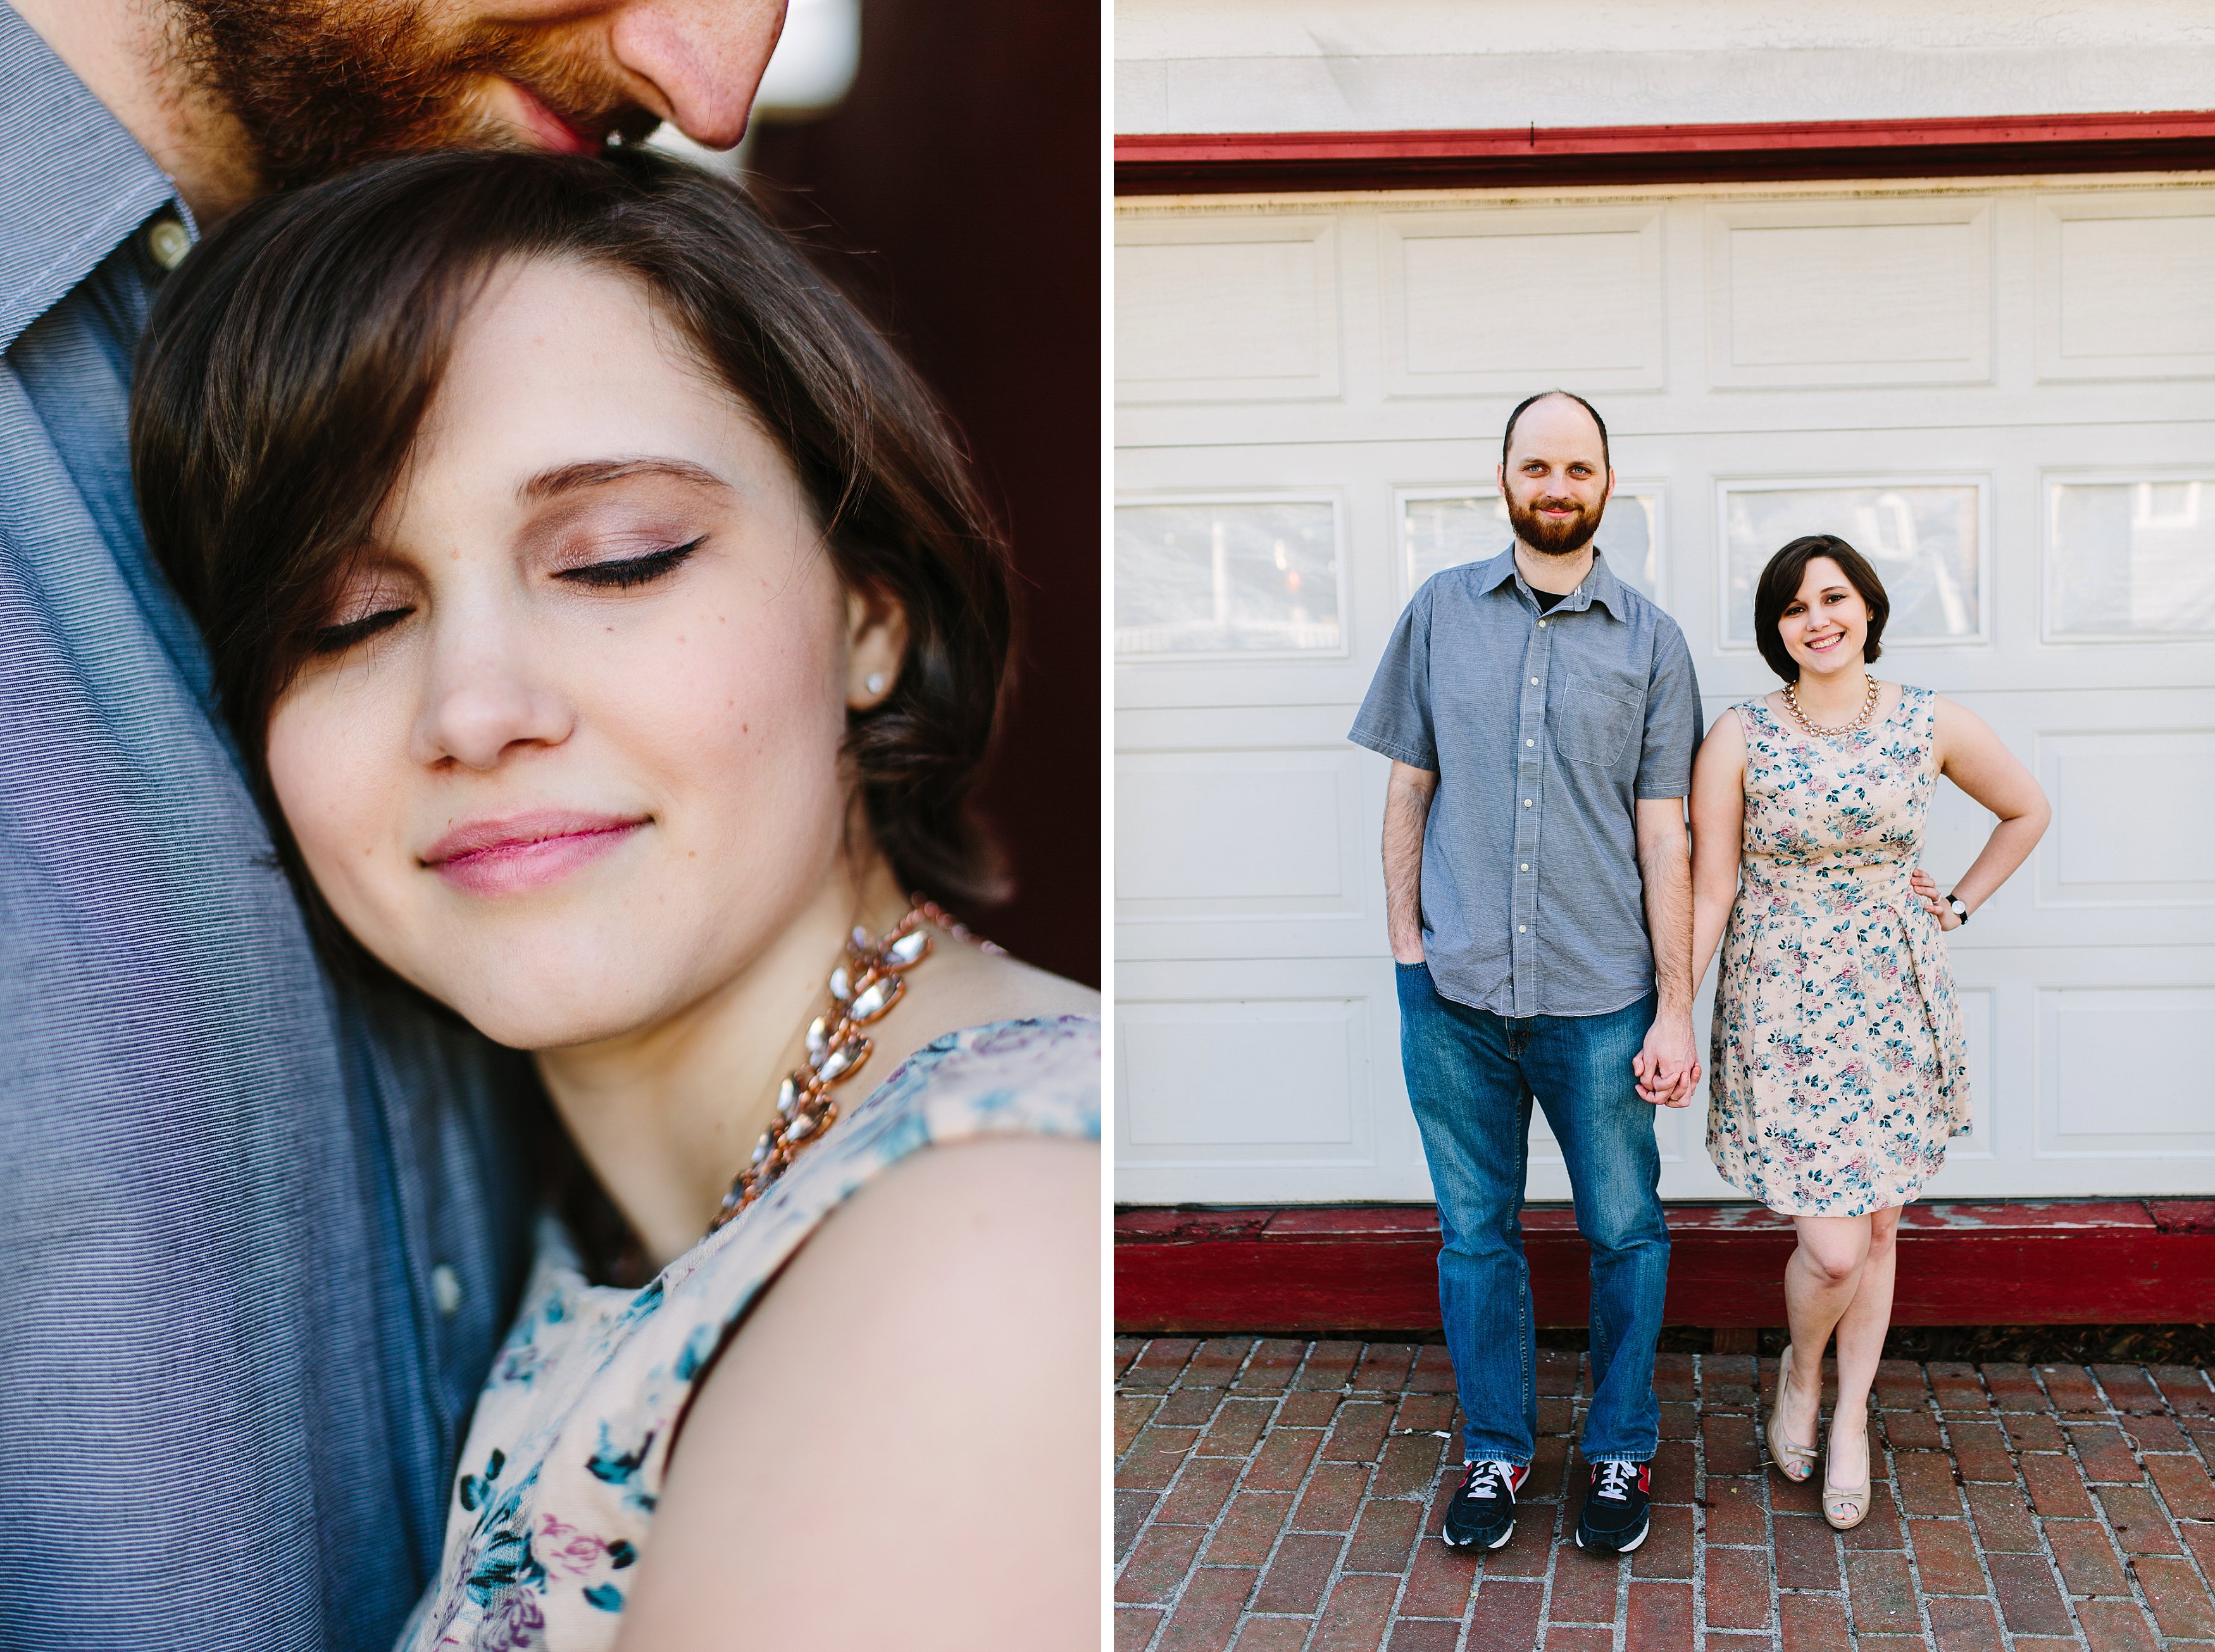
2004 394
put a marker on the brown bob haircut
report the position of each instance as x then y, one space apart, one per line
1779 588
294 354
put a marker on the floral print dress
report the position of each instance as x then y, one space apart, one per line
1839 1070
570 1446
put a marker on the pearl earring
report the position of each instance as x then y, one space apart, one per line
876 684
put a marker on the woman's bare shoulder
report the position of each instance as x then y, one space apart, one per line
973 987
935 1346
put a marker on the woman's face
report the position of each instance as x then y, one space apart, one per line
567 757
1825 624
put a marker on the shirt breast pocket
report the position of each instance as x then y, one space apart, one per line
1598 718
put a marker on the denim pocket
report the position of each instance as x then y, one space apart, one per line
1597 719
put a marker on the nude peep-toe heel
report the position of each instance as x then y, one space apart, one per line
1794 1462
1847 1507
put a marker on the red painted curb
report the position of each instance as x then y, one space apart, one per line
1153 164
1374 1267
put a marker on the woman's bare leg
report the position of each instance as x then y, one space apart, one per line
1860 1340
1821 1282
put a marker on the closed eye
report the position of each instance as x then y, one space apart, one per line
336 639
622 574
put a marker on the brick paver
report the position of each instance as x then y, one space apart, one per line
1282 1496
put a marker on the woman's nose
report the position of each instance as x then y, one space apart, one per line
481 708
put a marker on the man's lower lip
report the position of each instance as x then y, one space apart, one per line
509 868
549 127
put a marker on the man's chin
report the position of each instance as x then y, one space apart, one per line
1563 544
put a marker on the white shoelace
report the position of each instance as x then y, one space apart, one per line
1615 1479
1489 1478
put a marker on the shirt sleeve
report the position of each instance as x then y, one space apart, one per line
1672 720
1395 718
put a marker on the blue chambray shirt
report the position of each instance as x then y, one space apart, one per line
230 1402
1544 729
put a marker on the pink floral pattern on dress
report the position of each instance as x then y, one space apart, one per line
569 1445
1838 1068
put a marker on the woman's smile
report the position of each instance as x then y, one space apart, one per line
513 853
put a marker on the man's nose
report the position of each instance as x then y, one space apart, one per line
704 57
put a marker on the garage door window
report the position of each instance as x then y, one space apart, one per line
2131 559
1923 540
1236 577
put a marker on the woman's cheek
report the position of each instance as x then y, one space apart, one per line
344 808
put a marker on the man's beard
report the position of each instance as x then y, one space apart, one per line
1564 537
323 85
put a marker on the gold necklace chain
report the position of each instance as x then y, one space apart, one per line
1869 706
862 988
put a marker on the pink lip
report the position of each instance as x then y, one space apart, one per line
549 128
525 851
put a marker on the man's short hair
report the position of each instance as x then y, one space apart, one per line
1507 441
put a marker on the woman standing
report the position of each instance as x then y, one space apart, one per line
1839 1070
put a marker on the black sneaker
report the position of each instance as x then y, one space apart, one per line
1616 1508
1483 1513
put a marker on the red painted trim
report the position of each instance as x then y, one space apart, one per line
1375 1267
1152 163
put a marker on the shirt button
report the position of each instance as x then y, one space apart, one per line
446 1290
168 242
1534 682
1521 929
1525 867
1541 624
1526 802
1530 742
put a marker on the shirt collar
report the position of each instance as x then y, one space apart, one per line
74 184
1600 585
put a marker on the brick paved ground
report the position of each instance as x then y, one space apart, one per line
1280 1496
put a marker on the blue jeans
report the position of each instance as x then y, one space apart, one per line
1471 1076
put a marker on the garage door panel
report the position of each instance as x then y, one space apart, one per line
2123 285
1491 302
1204 1053
2132 814
2129 1071
1227 310
1850 292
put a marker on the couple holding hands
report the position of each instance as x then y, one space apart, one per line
1551 923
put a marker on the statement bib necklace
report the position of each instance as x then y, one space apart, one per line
863 986
1792 703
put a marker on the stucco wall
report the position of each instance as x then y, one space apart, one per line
1327 65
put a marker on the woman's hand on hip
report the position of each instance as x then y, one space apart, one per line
1926 891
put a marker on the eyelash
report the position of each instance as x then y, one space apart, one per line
619 575
631 570
336 639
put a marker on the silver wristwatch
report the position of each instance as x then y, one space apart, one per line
1960 912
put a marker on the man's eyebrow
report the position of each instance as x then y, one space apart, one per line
594 473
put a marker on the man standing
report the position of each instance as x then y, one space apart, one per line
259 1235
1541 718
